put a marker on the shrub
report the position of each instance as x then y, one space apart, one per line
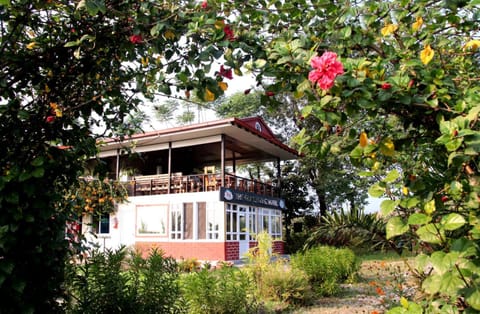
224 290
275 280
326 267
115 281
287 285
189 265
154 283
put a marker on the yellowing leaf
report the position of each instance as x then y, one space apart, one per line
58 113
389 29
219 24
47 89
31 45
223 86
363 139
426 55
387 147
405 190
417 24
209 96
144 61
404 302
472 45
169 34
429 207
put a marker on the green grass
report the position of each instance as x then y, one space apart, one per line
383 256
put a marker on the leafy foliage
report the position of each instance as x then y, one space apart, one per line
326 267
95 196
274 280
352 228
117 281
224 290
407 100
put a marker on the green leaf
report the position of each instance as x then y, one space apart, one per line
418 219
260 63
5 3
453 221
37 161
306 111
474 299
24 176
409 202
387 206
451 283
303 86
376 190
396 226
392 176
95 6
72 44
38 172
454 144
431 284
430 234
356 153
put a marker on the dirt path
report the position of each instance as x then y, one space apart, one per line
379 286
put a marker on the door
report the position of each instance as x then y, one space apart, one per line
243 232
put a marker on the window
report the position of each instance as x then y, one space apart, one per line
151 220
276 224
232 225
252 223
176 221
213 220
270 221
101 225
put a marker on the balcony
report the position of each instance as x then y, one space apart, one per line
179 183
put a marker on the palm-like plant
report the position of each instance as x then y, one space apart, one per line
351 228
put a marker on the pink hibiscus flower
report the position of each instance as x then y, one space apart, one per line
325 70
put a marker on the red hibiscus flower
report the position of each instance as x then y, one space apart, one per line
228 33
50 119
269 93
325 70
227 73
136 39
204 4
386 86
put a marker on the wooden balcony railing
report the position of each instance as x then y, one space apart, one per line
159 184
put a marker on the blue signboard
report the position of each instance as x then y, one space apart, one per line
246 198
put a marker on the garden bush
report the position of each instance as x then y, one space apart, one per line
119 281
276 283
286 285
326 267
217 291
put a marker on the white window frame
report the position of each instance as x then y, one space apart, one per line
176 212
212 216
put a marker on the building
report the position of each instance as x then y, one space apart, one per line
186 195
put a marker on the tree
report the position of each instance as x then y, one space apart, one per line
71 73
408 71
